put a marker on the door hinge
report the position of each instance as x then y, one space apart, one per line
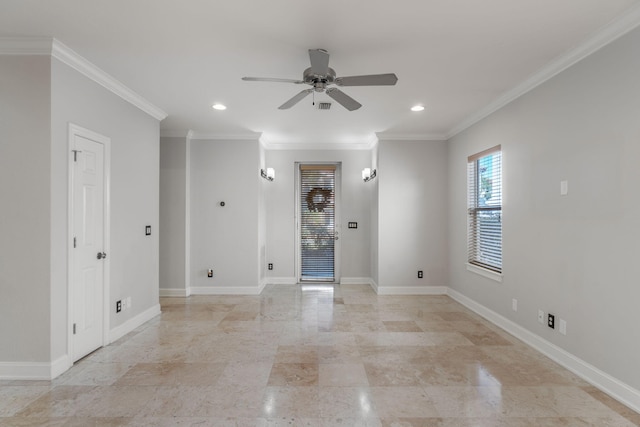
74 329
74 242
75 155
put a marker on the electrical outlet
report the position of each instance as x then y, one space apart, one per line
420 275
563 327
270 266
514 304
210 272
118 306
551 321
541 316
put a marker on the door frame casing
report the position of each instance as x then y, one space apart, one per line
337 219
73 131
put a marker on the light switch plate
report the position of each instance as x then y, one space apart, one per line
564 188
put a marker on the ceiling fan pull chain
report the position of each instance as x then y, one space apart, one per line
314 98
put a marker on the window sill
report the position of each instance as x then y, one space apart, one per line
485 272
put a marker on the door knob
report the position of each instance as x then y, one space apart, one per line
101 255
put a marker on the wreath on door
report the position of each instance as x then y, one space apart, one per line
318 199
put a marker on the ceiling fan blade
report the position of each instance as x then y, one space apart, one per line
343 99
269 79
293 101
370 80
319 61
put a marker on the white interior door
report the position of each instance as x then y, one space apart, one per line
88 247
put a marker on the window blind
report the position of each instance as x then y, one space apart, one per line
317 222
484 191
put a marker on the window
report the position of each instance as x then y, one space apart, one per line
484 192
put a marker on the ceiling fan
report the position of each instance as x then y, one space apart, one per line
320 77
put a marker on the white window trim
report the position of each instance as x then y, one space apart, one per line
489 274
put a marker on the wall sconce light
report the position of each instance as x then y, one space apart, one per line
367 174
269 174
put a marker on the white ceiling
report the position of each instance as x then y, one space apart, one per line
456 57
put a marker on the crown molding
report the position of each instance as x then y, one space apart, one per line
607 34
61 52
254 136
172 133
411 137
69 57
367 143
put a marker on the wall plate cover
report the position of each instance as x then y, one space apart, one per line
147 230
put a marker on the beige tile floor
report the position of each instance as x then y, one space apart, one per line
313 356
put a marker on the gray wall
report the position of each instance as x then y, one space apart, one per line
225 239
173 213
356 206
134 194
412 213
571 255
25 200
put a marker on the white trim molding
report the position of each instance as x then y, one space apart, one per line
412 137
34 370
355 281
606 35
227 290
411 290
61 52
603 381
485 272
281 280
69 57
366 143
175 292
133 323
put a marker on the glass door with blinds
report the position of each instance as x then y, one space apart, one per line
317 230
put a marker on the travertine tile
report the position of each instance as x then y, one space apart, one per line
318 356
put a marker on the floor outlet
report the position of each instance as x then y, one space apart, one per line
541 316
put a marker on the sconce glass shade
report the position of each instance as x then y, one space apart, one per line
366 173
269 174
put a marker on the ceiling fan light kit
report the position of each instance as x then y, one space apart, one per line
320 76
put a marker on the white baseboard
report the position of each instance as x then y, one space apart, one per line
605 382
228 290
138 320
281 280
411 290
355 280
34 370
374 286
177 292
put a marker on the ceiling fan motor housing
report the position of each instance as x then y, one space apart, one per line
319 81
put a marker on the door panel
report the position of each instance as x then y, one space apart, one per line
88 189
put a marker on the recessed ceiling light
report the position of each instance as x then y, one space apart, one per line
417 108
219 107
